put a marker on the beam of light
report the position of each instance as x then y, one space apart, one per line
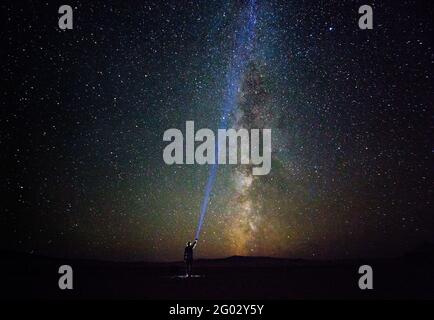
242 53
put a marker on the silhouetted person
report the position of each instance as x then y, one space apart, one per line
188 256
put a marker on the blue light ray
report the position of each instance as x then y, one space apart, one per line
242 53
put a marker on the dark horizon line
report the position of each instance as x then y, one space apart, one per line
23 254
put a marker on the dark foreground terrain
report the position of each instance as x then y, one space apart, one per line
28 276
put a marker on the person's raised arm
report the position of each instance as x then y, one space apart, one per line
194 243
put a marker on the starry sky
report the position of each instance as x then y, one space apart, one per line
83 114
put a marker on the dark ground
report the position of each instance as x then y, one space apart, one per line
409 277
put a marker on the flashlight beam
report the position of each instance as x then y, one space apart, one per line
242 53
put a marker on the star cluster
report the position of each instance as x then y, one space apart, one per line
84 111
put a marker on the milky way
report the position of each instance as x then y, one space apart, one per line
84 112
244 41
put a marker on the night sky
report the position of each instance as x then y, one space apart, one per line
83 114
